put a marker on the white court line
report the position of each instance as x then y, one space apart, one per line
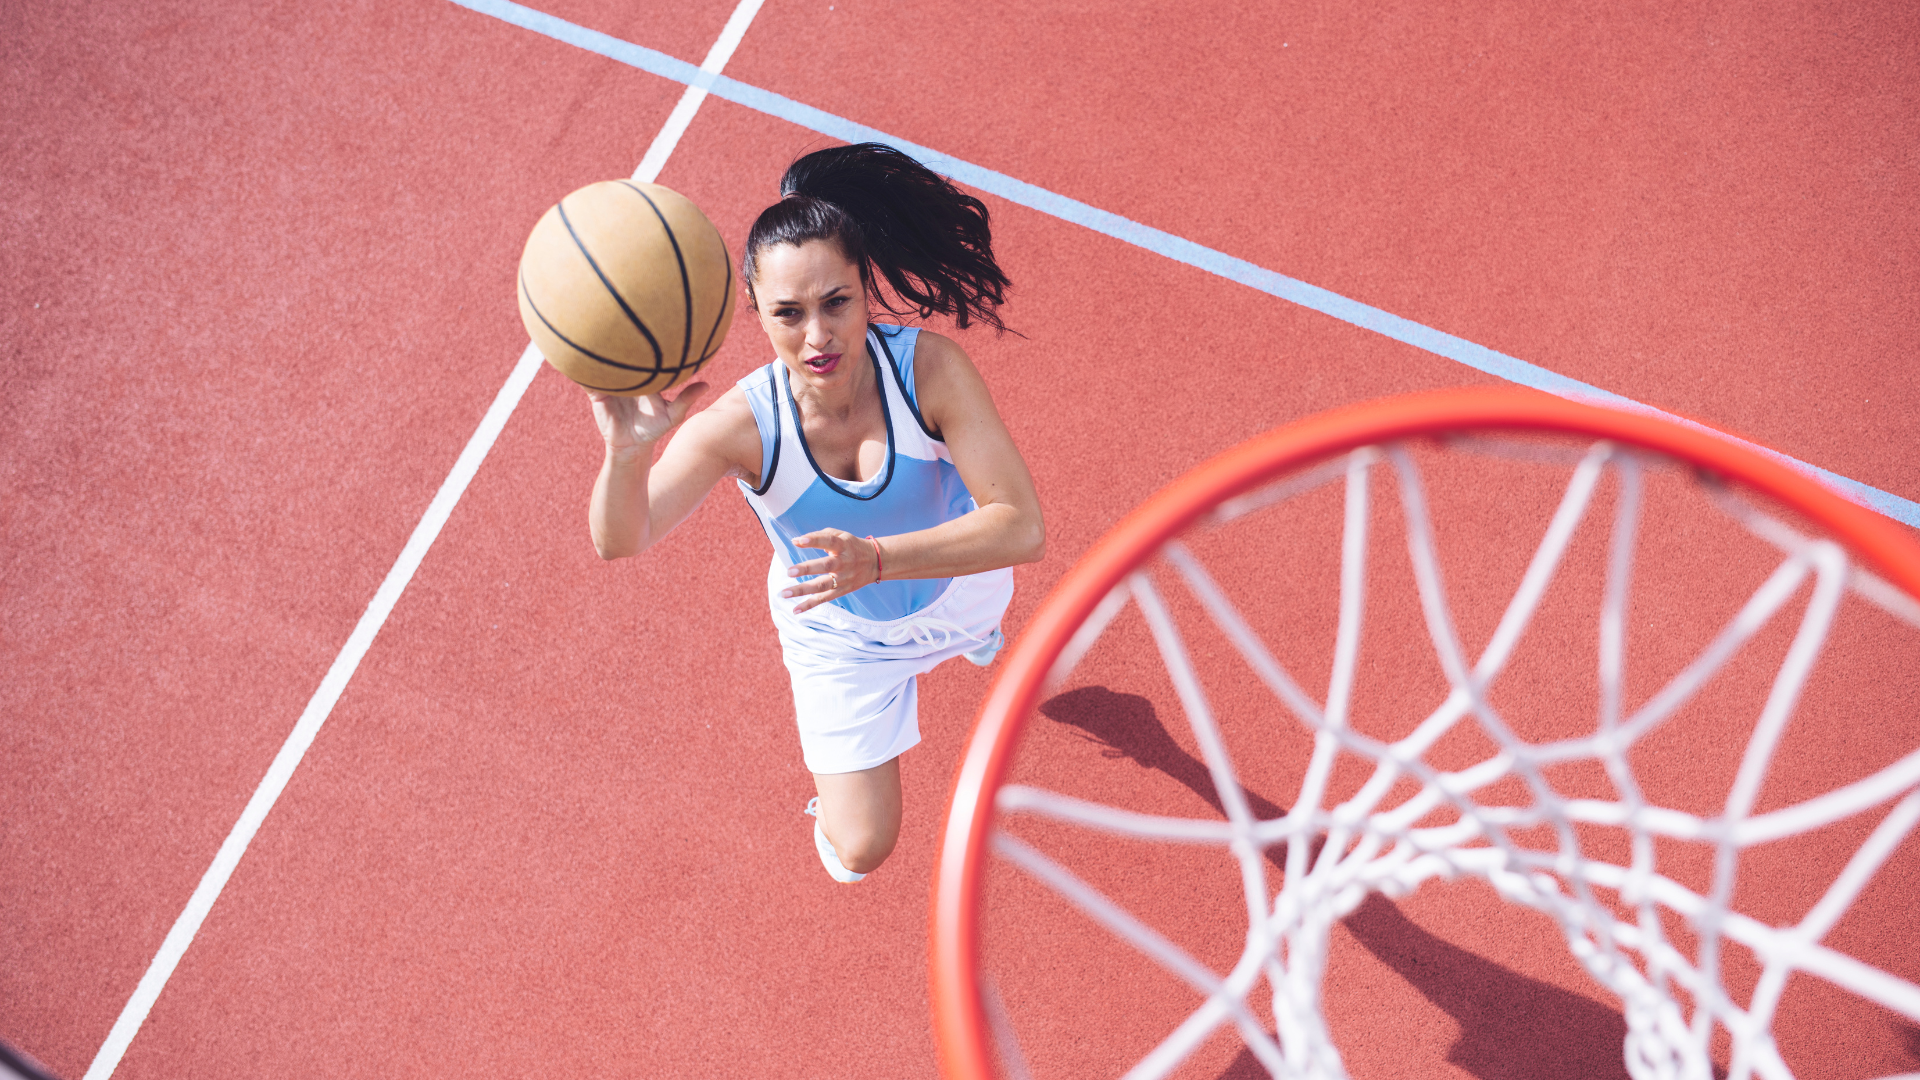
689 103
335 683
1180 249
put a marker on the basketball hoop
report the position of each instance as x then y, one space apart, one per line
1658 941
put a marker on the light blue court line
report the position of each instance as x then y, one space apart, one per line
1478 357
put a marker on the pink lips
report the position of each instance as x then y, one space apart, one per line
823 363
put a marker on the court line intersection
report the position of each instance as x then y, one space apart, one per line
701 81
1180 249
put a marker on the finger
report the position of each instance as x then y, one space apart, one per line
835 558
816 592
651 404
684 402
612 416
614 405
619 403
825 540
823 587
813 568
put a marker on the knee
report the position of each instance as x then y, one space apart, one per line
866 846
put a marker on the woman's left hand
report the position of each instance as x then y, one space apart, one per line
850 563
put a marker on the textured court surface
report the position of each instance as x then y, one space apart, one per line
258 294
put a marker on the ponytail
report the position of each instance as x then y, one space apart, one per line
896 220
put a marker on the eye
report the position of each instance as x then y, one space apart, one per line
785 312
839 302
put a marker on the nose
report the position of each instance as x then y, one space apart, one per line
819 334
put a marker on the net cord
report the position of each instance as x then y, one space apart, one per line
1865 584
1367 849
1225 999
1013 1064
1233 799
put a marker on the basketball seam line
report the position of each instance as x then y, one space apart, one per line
726 298
659 357
686 286
583 350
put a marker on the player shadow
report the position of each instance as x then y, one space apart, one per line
1512 1027
1127 726
19 1065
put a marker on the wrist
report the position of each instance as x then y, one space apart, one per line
630 455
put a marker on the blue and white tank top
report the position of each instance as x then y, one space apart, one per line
916 489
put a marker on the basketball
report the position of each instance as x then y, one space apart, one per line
626 288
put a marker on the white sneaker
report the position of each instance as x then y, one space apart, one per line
984 655
824 847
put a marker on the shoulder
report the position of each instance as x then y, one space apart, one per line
939 356
946 382
942 358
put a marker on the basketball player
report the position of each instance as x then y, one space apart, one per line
895 500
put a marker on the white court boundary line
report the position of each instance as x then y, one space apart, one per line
1178 248
320 706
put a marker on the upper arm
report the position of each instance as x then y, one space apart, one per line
954 400
711 445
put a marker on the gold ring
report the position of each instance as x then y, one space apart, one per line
833 581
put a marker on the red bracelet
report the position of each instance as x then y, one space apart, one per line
877 568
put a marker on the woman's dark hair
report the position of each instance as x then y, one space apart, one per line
896 220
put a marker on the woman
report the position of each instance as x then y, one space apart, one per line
894 497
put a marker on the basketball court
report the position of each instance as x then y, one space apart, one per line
296 532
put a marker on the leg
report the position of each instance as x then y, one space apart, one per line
860 813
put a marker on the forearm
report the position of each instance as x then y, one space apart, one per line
988 538
619 513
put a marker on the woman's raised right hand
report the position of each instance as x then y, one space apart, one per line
633 425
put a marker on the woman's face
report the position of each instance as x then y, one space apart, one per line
813 309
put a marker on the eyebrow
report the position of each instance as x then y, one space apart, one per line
830 294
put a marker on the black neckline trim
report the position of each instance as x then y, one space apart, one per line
913 406
800 432
773 462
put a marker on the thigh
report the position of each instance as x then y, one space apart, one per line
865 802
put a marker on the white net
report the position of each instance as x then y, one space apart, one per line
1657 940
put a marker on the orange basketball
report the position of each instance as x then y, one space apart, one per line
626 287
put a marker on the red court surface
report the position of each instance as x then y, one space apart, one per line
258 295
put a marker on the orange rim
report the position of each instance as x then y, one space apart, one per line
960 1022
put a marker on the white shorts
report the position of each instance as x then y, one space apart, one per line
855 691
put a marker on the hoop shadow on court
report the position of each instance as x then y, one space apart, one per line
1512 1027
